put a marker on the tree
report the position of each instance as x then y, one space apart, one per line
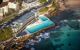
5 33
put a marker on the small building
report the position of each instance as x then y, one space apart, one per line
5 5
13 4
3 9
5 0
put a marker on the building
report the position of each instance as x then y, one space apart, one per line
5 0
13 4
6 5
30 3
3 9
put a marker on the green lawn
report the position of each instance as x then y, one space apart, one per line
5 33
43 10
8 18
42 1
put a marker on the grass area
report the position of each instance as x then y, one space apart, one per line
8 18
42 1
43 10
5 33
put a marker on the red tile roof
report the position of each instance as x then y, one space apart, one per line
3 4
12 0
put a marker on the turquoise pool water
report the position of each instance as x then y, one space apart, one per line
35 27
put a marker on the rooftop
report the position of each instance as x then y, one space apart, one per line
12 0
3 4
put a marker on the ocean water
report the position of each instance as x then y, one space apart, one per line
64 38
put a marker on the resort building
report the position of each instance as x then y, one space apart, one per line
13 4
6 5
3 9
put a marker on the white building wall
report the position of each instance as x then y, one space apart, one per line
1 11
12 5
5 9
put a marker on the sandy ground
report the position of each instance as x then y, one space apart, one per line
73 3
